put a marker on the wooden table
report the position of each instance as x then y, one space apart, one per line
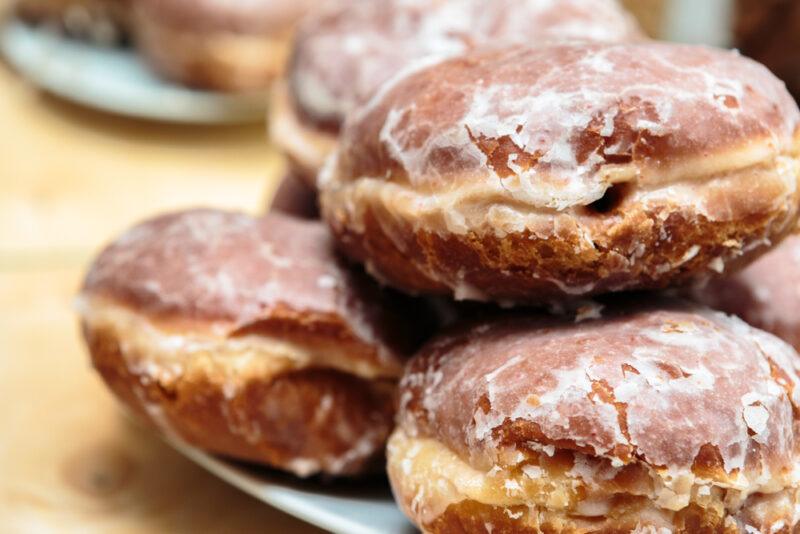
71 179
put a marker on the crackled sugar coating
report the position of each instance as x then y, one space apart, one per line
661 363
573 169
766 294
545 123
344 53
248 337
219 265
210 264
225 267
670 393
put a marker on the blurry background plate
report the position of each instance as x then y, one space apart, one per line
346 507
116 80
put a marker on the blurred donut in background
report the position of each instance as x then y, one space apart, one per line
239 45
102 21
342 54
249 338
769 32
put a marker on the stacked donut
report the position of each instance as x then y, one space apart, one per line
550 166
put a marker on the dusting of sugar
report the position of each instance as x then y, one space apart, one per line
232 270
345 52
709 375
532 471
756 418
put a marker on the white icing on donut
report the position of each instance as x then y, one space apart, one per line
344 54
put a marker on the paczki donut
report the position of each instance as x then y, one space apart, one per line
343 53
524 174
666 417
248 338
766 294
233 46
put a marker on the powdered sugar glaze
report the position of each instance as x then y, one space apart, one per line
656 383
552 124
344 53
225 266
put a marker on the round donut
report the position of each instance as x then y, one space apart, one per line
342 54
524 175
102 21
766 294
224 46
247 337
664 417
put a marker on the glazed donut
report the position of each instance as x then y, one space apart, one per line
523 175
664 417
342 54
224 46
246 337
103 21
766 294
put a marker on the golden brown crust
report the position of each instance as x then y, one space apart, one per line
306 421
630 253
524 187
475 517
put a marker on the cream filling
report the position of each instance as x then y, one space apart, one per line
428 477
488 207
166 356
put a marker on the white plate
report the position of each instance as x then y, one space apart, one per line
115 80
342 508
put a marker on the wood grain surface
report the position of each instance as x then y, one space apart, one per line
70 180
